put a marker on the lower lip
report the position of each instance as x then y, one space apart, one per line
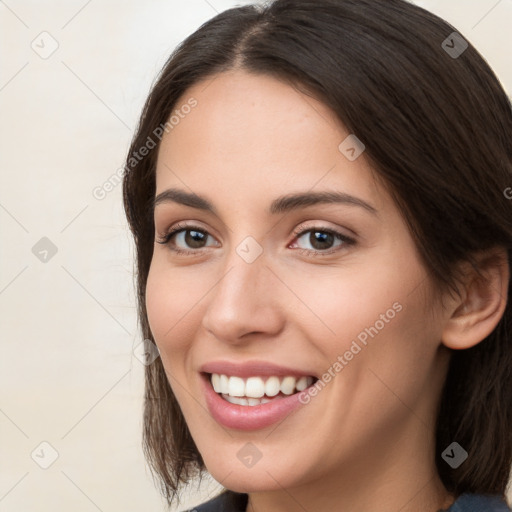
248 417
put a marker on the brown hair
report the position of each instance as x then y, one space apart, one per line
438 131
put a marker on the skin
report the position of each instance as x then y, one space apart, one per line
366 441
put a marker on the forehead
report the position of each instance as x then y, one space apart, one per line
255 133
260 104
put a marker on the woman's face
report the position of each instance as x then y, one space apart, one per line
354 307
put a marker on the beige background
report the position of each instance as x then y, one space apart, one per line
68 374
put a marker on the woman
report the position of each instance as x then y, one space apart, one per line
318 196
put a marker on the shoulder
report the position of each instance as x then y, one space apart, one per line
479 503
227 501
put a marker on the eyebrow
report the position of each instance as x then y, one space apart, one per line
279 205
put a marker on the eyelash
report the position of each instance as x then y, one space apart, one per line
347 241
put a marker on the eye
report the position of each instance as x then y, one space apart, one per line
321 238
192 236
194 239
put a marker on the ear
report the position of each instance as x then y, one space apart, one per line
473 316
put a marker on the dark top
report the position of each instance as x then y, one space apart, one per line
229 501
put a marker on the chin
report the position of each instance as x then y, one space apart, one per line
261 477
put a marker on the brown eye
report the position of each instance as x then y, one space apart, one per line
185 239
321 240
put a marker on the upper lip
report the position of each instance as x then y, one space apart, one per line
252 369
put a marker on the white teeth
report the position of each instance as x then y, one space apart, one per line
302 384
247 401
223 384
236 400
272 386
216 382
288 385
254 388
236 386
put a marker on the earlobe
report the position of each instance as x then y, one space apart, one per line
482 303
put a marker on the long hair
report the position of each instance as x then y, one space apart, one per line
437 127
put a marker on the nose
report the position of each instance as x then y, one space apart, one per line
244 301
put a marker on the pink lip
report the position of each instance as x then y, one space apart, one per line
248 417
252 369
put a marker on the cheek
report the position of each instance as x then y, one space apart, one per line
373 317
173 319
157 304
342 305
173 305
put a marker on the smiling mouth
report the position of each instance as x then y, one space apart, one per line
252 391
